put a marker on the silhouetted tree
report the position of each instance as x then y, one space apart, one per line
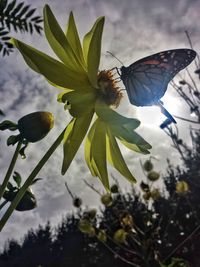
19 17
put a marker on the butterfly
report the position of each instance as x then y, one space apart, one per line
146 80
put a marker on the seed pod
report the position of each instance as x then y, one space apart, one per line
155 194
120 236
146 195
92 232
77 202
35 126
182 187
114 189
126 220
102 235
153 176
182 82
91 213
85 227
144 187
106 200
148 166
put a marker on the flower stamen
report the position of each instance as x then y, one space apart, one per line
108 88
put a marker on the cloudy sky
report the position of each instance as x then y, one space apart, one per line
133 29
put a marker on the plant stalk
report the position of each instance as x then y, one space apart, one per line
10 169
30 179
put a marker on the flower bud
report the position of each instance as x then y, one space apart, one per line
153 176
120 236
35 126
182 187
106 200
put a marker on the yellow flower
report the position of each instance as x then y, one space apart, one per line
86 92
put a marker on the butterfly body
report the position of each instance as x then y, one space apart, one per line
146 80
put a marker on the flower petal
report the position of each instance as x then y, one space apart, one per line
92 49
95 152
130 139
112 117
73 39
59 43
54 71
73 137
122 128
80 103
115 157
88 155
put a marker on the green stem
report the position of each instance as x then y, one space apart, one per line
30 179
10 169
3 204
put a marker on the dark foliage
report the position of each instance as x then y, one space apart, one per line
156 232
16 17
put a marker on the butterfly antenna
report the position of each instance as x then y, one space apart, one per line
115 57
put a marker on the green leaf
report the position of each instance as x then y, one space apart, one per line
80 102
95 152
112 117
13 139
2 32
74 40
17 9
30 13
73 137
92 49
23 11
17 178
36 180
10 186
53 70
3 4
8 125
59 43
115 157
10 7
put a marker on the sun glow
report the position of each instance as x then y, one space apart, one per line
152 115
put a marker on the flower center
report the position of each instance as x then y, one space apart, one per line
108 89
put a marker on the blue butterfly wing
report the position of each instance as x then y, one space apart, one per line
147 79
